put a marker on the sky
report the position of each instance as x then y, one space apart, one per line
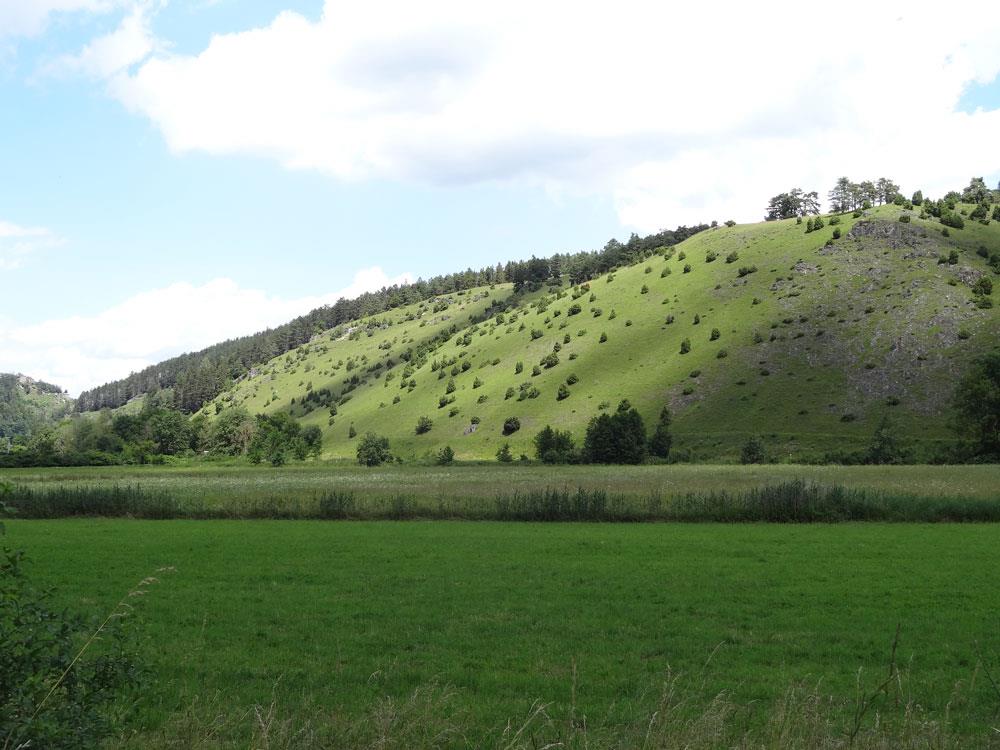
178 172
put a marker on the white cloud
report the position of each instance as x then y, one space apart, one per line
31 17
112 53
680 113
81 352
17 243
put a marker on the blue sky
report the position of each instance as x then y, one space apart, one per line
179 172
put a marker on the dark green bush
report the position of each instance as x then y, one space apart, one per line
511 425
373 450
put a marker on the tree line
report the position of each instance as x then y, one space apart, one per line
847 195
159 431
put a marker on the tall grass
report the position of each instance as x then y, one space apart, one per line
681 716
795 501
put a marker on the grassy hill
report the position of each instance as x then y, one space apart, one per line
27 404
808 351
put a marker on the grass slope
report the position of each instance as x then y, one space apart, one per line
819 343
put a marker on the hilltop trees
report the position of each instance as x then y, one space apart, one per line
886 190
794 203
977 192
850 196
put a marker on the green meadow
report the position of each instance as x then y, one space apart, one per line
456 634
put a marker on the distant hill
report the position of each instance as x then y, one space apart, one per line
801 338
197 377
27 404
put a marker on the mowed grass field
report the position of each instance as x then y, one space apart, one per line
327 625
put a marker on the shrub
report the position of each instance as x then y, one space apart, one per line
477 383
732 257
836 233
618 438
983 285
722 354
554 446
685 346
373 450
905 218
644 290
550 360
953 220
562 393
730 223
450 387
697 319
665 272
687 268
504 455
661 440
752 451
53 693
424 425
572 379
977 403
714 335
351 432
511 425
710 256
536 334
445 456
695 373
604 337
574 309
746 271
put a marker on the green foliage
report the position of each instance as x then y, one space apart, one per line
562 392
511 425
424 425
977 404
661 440
373 450
618 438
685 346
952 219
279 436
445 456
554 446
886 446
983 286
54 691
714 335
752 451
504 455
603 338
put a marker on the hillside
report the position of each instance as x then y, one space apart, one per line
27 404
812 348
